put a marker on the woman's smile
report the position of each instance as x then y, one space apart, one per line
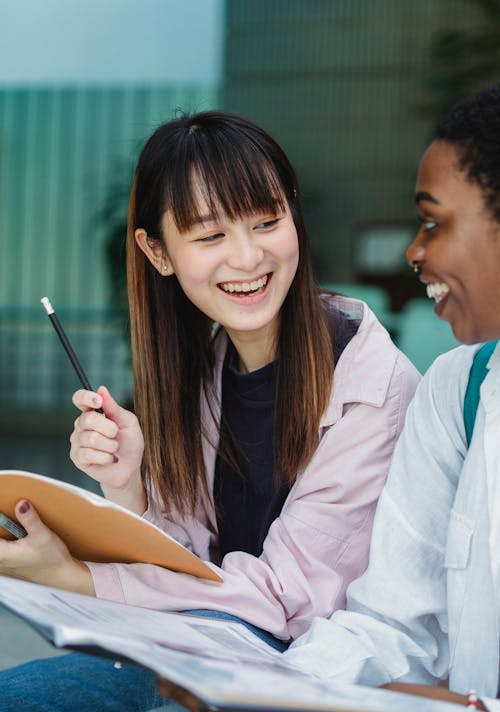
249 288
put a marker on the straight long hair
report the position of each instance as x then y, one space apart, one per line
240 170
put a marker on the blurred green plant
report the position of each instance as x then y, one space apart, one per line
463 61
113 217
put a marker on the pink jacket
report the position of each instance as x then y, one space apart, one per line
320 541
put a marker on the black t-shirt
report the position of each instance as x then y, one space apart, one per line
247 502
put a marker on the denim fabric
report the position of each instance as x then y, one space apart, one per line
276 643
88 683
79 682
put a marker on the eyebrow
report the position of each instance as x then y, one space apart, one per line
424 195
201 219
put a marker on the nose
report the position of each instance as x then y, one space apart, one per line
246 252
415 252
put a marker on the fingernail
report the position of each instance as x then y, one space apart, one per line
96 400
24 507
115 459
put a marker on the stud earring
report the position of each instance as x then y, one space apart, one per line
417 267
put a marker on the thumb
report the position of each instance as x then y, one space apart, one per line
28 517
112 410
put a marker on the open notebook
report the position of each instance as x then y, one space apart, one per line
221 663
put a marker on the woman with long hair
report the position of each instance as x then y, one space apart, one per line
265 412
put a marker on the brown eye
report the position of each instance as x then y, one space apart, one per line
427 223
211 238
267 224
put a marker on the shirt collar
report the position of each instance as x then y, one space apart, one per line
363 372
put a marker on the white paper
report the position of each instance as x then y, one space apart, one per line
75 619
221 662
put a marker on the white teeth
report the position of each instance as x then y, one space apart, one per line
437 291
244 286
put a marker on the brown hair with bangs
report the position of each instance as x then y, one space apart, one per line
240 171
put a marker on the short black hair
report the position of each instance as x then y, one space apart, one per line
473 127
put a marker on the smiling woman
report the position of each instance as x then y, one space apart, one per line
266 412
457 248
427 608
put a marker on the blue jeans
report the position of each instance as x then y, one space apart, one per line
82 682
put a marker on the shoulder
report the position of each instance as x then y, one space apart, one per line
445 381
435 418
431 451
371 364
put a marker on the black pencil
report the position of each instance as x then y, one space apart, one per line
67 346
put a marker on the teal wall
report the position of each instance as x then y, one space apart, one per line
339 83
61 152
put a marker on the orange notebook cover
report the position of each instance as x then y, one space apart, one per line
95 529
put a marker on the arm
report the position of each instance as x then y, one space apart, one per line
312 551
434 692
396 622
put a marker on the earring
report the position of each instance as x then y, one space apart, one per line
417 267
164 266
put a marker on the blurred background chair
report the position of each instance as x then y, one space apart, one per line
375 296
421 335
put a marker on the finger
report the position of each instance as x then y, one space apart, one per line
28 517
93 421
122 417
86 400
86 457
95 441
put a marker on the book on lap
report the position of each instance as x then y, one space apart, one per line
95 529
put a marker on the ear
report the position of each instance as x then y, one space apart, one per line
154 249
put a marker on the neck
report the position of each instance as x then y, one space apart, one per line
253 352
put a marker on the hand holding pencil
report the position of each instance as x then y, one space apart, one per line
106 442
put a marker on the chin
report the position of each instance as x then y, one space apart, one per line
477 336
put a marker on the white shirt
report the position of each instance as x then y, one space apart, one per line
428 606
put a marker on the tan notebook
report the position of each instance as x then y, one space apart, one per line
95 529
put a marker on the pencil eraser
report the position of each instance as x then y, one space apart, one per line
47 305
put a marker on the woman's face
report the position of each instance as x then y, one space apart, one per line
238 272
457 246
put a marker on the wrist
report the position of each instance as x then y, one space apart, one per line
131 496
473 702
72 575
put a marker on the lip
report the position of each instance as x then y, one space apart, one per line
251 298
440 306
249 280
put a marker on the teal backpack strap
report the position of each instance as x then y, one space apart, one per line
477 375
